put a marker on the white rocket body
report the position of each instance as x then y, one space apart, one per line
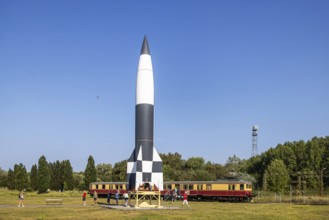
145 81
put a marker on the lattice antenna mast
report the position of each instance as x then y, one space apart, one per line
254 130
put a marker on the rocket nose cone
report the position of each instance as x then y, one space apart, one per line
145 47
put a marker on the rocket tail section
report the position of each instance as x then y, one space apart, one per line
141 171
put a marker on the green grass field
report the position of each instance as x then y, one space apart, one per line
72 208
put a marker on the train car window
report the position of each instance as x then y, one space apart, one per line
103 186
190 186
96 186
231 187
199 187
121 187
167 186
116 186
177 186
208 186
241 186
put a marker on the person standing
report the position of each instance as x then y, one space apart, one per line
84 195
95 197
125 197
174 196
185 199
109 198
21 199
117 197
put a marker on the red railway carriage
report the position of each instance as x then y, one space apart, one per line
232 190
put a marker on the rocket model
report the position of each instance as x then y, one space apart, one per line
144 164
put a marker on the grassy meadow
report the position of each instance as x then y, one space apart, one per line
72 208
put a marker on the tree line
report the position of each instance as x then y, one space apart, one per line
301 166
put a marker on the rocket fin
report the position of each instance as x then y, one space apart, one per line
139 156
131 167
132 157
156 156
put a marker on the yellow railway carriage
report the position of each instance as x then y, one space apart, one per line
103 188
234 190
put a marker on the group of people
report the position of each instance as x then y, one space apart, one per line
84 197
95 196
175 194
126 197
108 197
116 196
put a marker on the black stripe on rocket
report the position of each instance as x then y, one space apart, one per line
144 131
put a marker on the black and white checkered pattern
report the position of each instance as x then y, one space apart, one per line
140 171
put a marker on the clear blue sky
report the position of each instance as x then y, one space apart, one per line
219 68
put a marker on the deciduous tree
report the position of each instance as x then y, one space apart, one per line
233 165
104 172
277 176
194 163
119 171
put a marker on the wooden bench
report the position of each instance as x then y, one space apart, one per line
49 201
